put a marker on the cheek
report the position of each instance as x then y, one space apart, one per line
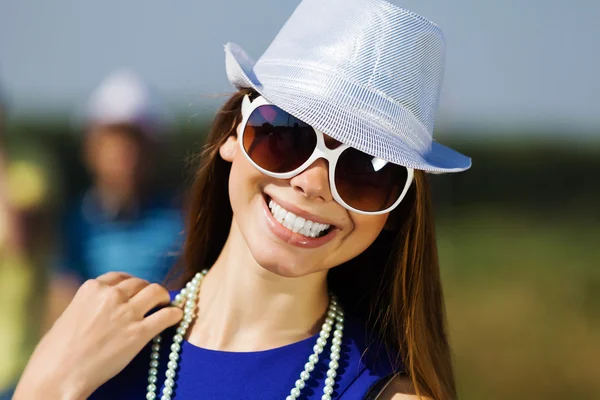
365 231
244 180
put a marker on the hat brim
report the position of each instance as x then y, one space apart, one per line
385 145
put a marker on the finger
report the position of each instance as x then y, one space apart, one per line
132 286
150 297
112 278
157 322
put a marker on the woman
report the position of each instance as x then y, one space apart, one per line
311 212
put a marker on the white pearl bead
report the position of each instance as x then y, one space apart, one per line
333 364
151 387
167 390
155 347
173 356
154 356
175 347
339 326
304 375
184 324
313 358
153 371
309 366
337 335
165 397
329 382
295 392
317 349
152 379
170 374
299 384
154 364
181 330
324 334
178 338
326 397
290 398
328 390
183 292
331 373
326 327
188 319
172 365
321 341
150 396
335 348
335 356
331 314
157 339
169 382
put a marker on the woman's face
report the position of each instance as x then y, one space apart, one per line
259 201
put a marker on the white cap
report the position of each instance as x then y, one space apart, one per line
124 97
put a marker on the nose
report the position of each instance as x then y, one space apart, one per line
313 182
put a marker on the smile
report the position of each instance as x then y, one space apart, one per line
297 224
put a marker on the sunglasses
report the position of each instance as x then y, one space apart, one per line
281 146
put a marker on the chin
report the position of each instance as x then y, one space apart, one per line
282 265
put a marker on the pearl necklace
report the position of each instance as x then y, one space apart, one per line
189 295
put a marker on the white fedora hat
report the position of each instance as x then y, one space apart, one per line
365 72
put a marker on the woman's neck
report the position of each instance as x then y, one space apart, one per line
244 307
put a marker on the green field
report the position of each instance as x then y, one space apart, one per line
523 303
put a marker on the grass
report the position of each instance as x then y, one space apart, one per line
523 296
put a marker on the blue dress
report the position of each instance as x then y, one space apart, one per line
260 375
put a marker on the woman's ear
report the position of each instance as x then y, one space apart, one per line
229 149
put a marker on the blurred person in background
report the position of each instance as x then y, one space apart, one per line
24 205
10 253
122 223
310 234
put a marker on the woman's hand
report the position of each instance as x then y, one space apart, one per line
99 333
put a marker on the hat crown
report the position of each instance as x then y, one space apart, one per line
392 53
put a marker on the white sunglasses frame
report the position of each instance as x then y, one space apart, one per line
320 151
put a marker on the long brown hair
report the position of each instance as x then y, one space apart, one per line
397 277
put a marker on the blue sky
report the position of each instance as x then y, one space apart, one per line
510 63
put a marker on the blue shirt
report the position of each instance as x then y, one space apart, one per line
260 375
143 244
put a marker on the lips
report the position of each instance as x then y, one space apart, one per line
305 228
295 223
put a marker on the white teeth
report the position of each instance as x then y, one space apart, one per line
297 224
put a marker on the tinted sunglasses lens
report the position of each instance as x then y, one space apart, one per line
367 183
277 141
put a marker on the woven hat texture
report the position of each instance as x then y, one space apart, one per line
365 72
